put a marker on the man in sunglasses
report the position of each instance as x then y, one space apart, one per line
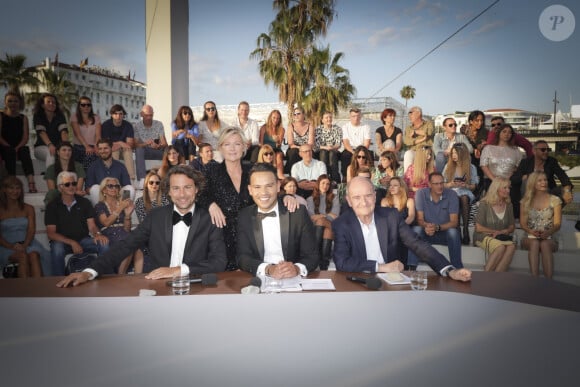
542 161
519 140
443 143
70 222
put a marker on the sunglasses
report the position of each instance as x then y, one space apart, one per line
425 147
493 125
452 125
151 182
268 153
544 149
69 183
186 113
360 157
111 186
210 109
85 105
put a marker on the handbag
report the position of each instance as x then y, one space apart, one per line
504 237
79 262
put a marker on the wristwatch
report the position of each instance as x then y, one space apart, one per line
448 270
437 227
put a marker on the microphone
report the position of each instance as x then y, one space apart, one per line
372 283
253 287
208 279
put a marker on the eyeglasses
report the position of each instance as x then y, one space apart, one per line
113 186
69 183
210 109
451 125
361 157
186 113
268 153
85 105
153 182
494 124
544 149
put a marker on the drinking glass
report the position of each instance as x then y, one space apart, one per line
180 284
419 280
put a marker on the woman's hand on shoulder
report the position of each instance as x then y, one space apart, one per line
290 203
217 216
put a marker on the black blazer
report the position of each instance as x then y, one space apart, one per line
298 238
204 250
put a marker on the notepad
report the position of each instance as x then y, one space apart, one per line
394 278
317 284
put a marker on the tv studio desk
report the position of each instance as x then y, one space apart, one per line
501 329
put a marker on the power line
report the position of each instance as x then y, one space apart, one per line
434 48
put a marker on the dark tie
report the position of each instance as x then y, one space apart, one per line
178 218
262 215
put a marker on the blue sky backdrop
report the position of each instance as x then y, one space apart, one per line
502 60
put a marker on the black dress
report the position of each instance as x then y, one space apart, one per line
220 189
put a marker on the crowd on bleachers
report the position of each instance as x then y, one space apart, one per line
96 178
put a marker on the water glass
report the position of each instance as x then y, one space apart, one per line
419 280
180 284
272 285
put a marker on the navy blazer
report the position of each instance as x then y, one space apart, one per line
204 252
297 233
349 245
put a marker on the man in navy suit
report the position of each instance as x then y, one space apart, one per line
271 240
180 236
366 239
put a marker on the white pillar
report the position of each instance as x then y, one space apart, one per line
167 51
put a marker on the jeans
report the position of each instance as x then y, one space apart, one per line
450 237
58 250
440 161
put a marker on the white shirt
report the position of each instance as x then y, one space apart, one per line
301 171
251 130
273 253
356 135
372 246
178 240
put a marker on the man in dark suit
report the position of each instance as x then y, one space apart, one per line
181 237
366 239
271 240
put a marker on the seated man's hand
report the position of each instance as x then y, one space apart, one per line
395 266
284 269
463 275
74 279
164 272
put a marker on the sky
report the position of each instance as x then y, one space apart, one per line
509 57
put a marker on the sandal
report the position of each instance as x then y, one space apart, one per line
32 187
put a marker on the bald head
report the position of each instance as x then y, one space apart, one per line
147 115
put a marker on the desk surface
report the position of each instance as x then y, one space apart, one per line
503 286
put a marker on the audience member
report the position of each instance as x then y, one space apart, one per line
113 217
121 134
540 218
327 142
267 155
171 158
307 171
299 133
250 130
461 176
444 142
494 226
388 136
70 224
367 239
106 166
417 135
354 134
437 219
519 140
185 133
211 127
271 240
150 142
63 161
362 159
14 139
289 186
387 168
397 197
323 207
272 133
86 127
417 174
180 236
17 228
50 126
205 159
477 134
542 161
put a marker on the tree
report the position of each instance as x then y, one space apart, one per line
283 52
14 74
331 88
56 83
407 93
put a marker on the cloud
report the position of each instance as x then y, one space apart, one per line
489 27
384 36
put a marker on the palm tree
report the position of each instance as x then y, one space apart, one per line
331 88
14 74
56 83
283 51
407 93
